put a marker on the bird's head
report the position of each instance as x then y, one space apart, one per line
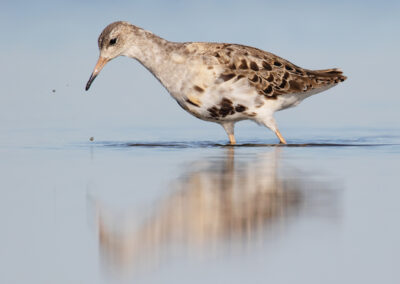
113 42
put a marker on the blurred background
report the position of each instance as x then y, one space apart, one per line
49 49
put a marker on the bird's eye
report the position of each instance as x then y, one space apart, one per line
113 41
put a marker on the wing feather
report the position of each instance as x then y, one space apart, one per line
270 75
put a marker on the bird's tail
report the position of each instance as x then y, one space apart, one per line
332 76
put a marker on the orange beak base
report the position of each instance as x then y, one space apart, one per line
99 65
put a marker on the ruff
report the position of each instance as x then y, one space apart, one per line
218 82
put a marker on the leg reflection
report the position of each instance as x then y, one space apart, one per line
217 201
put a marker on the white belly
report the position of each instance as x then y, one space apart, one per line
292 100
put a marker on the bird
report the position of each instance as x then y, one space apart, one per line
217 82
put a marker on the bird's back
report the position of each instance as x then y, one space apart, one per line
271 75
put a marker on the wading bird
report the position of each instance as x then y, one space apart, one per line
217 82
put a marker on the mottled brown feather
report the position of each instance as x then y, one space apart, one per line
270 75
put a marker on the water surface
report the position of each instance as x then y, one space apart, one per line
322 210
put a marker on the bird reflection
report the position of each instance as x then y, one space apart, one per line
217 202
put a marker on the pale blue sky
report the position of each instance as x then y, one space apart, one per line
50 45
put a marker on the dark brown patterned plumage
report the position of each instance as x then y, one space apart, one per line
271 75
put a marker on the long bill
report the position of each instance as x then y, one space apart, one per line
99 65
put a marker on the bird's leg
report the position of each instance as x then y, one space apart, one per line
232 139
281 139
270 122
229 128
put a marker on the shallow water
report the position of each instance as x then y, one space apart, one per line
159 210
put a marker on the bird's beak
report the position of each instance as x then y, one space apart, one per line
99 65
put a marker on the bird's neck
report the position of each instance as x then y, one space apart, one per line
155 53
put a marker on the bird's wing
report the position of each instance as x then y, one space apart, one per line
269 74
